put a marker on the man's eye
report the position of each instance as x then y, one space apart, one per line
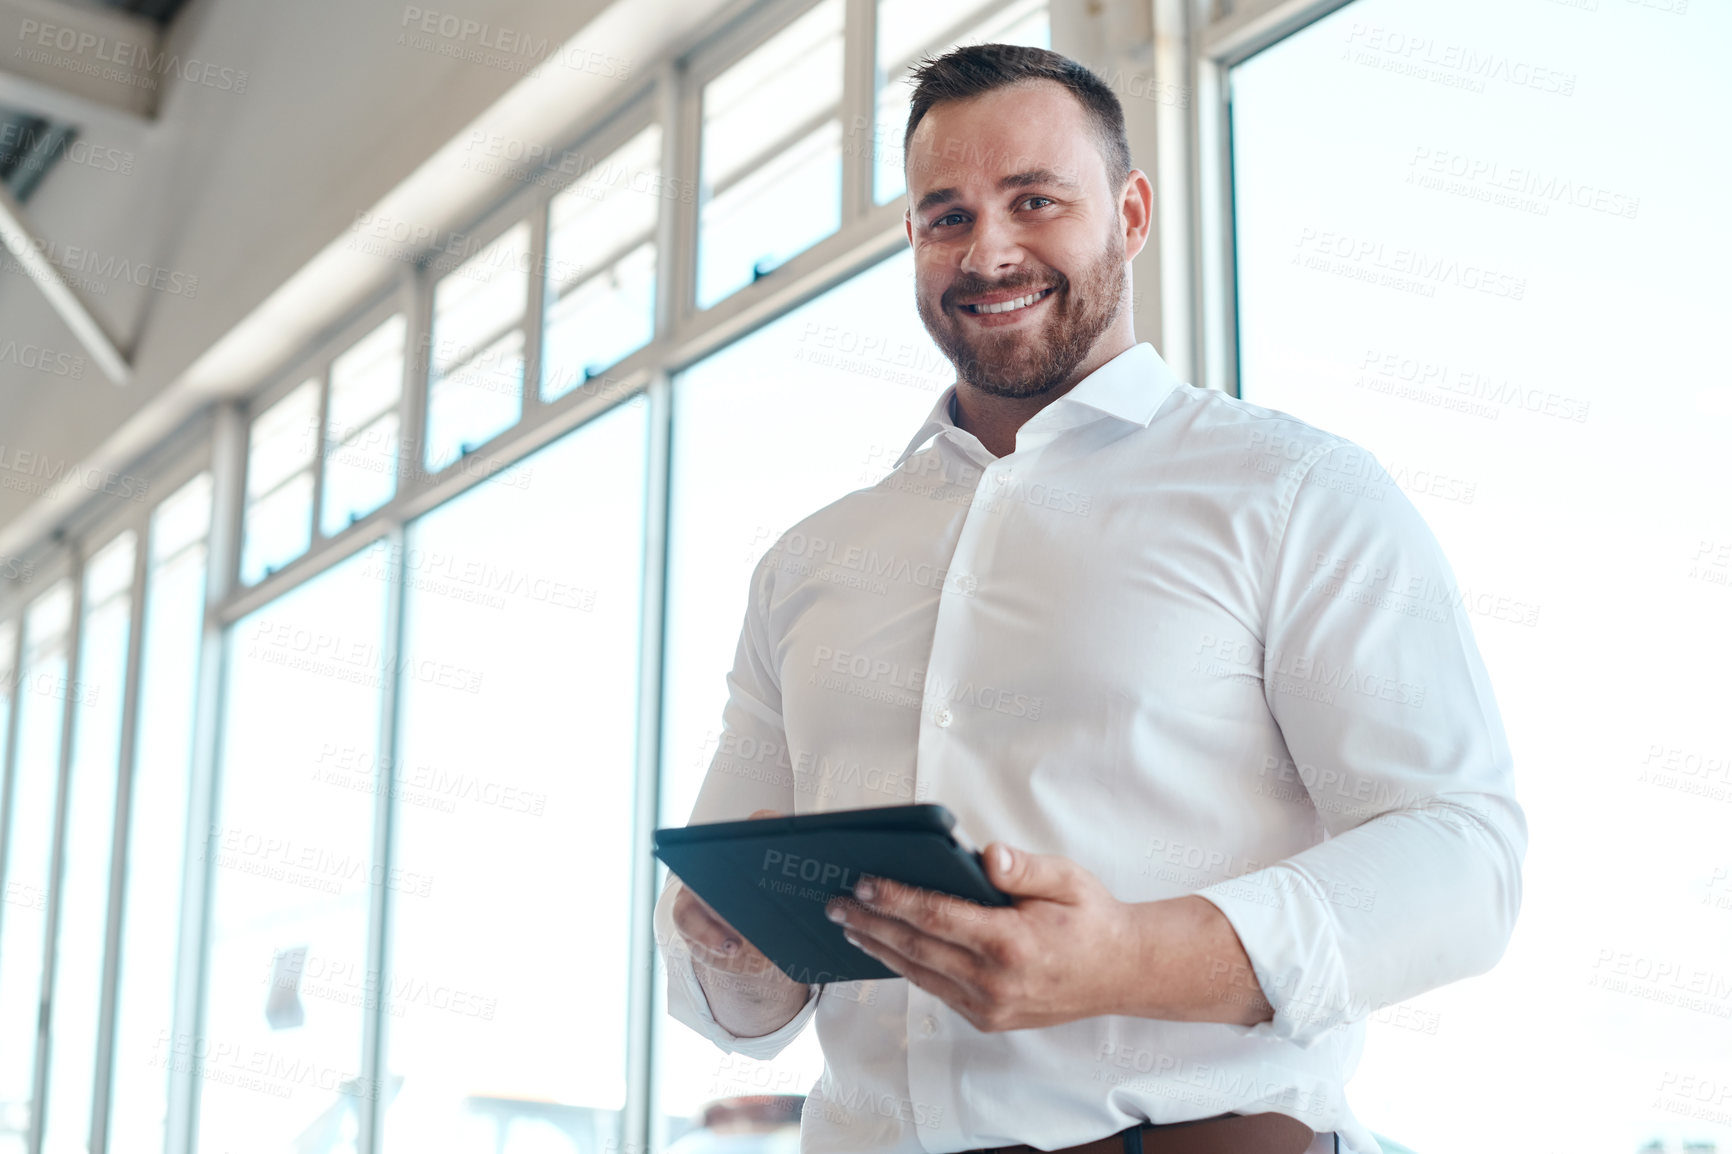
1045 200
947 217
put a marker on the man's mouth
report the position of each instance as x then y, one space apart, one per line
1008 306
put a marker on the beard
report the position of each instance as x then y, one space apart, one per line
1022 361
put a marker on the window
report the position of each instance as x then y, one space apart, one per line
282 450
290 857
156 838
601 265
475 391
362 456
516 779
911 29
772 154
44 690
88 824
1480 241
835 388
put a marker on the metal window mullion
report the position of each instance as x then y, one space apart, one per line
612 257
681 111
412 475
73 642
534 312
8 755
317 532
859 96
642 1106
373 1078
222 559
1180 336
126 761
1218 339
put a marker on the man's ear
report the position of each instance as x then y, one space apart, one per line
1137 210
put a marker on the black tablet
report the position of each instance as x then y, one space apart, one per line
770 878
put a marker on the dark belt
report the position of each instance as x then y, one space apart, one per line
1223 1134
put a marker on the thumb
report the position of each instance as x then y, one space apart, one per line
1037 875
757 813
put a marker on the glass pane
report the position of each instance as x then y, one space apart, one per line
780 209
89 825
611 208
182 518
291 865
283 439
476 383
600 322
360 474
366 380
476 402
781 97
279 528
156 838
839 386
507 1026
42 692
911 29
1483 240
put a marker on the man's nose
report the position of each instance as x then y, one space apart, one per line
992 247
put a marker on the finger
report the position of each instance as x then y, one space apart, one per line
1034 875
942 986
757 813
941 915
923 949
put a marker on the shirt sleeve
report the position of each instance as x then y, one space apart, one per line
751 770
1372 674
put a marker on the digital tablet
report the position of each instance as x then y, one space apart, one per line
771 877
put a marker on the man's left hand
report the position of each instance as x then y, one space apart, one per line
1060 953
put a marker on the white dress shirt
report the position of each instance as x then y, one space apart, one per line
1194 645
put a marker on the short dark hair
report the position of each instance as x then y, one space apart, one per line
977 69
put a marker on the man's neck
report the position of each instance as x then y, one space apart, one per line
994 420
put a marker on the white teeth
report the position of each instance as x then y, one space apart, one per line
1010 305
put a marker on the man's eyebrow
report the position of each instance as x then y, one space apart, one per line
1032 176
1035 176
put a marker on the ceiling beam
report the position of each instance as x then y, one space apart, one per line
81 63
20 241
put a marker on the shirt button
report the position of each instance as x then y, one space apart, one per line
942 717
928 1026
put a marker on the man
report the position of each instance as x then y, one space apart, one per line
1198 670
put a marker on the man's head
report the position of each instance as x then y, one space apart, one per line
1020 185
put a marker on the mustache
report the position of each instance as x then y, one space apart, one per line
968 285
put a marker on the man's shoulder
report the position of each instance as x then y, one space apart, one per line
1211 423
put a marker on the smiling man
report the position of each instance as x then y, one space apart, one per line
1197 674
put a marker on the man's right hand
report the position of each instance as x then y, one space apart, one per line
748 993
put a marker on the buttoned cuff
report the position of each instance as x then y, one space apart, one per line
1285 925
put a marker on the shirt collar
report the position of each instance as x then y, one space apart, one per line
1130 387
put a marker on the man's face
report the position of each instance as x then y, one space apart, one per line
1019 249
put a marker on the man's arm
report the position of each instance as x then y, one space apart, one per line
1419 881
733 995
1418 884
